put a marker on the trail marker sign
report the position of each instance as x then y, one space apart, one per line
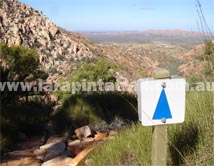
161 101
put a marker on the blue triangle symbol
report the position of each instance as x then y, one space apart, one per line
162 109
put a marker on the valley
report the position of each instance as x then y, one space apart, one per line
48 128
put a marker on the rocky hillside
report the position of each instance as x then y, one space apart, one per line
59 50
192 65
22 25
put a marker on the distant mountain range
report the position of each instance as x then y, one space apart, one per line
172 36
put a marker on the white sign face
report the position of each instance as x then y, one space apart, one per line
161 101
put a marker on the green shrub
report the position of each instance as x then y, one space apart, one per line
76 114
193 79
19 64
90 72
52 70
91 109
20 61
208 57
96 52
29 119
102 69
209 47
8 134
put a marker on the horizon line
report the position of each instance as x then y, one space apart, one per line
146 30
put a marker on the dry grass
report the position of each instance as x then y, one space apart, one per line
190 143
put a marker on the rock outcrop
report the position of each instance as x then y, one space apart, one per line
22 25
57 151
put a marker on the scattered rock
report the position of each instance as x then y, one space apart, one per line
25 161
161 73
84 132
54 147
88 139
40 153
101 126
80 158
53 30
55 139
74 142
117 124
21 153
20 158
53 150
78 147
58 161
100 136
56 152
31 143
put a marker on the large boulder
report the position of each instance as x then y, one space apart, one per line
53 31
58 161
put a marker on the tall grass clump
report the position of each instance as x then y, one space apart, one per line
129 147
192 143
189 143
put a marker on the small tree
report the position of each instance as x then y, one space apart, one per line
209 47
102 69
18 64
91 72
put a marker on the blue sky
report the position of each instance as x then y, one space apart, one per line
124 15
